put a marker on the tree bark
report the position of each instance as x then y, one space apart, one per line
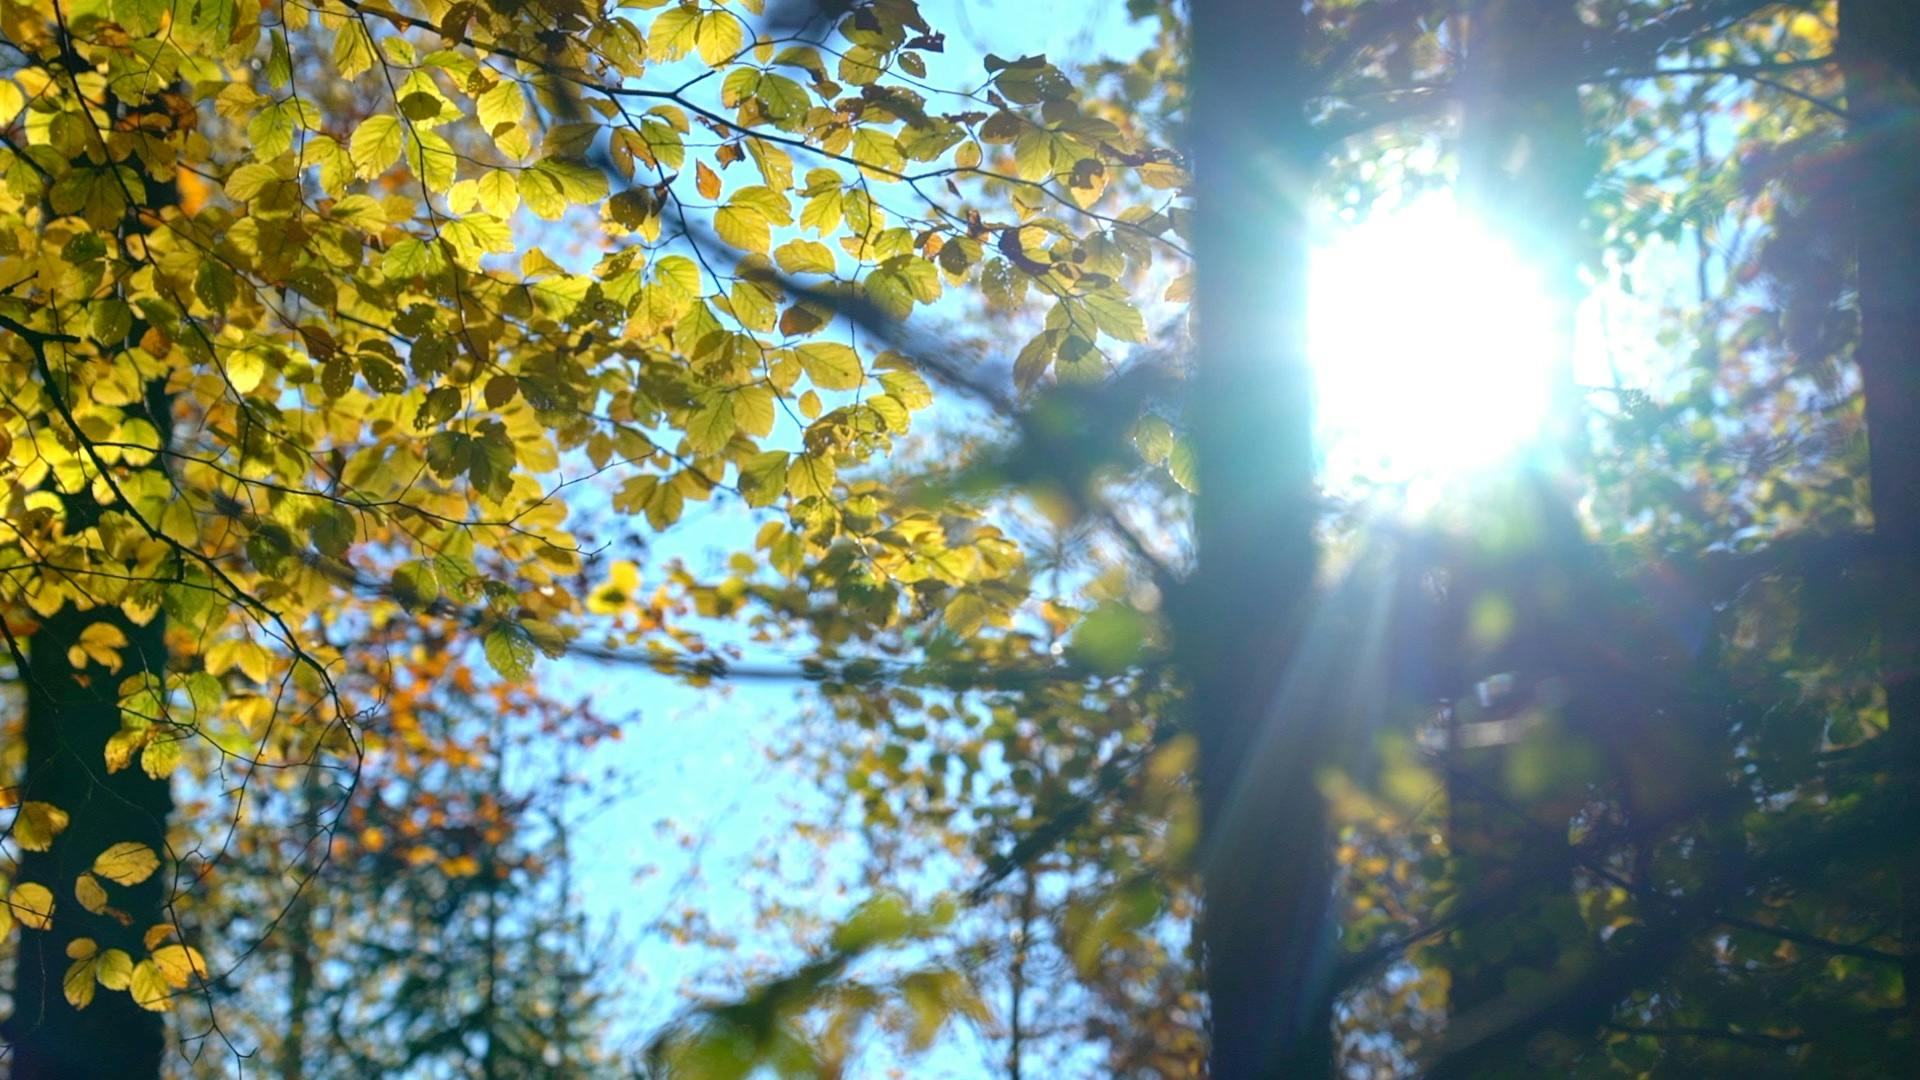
1524 175
1525 168
1266 867
71 713
1880 49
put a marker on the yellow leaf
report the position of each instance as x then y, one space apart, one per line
245 369
502 105
179 964
809 476
127 863
376 144
91 894
831 365
150 991
11 101
100 642
805 257
114 969
81 947
619 590
121 746
673 32
32 905
38 824
743 227
498 193
79 982
718 37
706 180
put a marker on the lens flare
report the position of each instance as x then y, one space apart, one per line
1433 351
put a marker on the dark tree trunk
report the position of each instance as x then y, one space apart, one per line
1880 47
1525 167
1265 861
1524 175
71 713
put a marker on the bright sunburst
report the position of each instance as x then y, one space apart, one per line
1431 346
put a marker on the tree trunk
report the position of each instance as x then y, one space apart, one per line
1523 175
1525 169
71 713
1266 867
298 926
1880 47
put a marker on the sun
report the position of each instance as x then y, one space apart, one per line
1432 347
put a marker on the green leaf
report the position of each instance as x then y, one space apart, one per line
878 153
804 257
907 387
785 100
763 478
383 374
753 410
966 613
743 227
510 650
352 49
1115 317
771 204
416 585
149 989
831 365
1181 466
78 984
879 921
475 236
376 145
114 969
553 184
672 34
712 426
411 258
1111 637
1153 437
12 100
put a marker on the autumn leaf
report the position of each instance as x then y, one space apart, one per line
126 863
149 988
32 905
100 643
37 825
618 591
179 965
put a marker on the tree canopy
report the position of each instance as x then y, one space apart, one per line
366 362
